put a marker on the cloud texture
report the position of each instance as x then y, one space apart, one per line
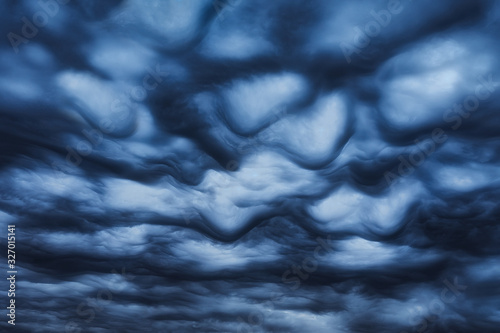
252 166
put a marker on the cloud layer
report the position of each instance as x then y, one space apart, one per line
252 166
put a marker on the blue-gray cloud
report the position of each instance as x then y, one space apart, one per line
252 166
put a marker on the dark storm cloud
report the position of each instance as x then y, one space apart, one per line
252 166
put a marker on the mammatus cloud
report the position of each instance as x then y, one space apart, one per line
251 166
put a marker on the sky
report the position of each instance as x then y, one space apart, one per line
251 166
